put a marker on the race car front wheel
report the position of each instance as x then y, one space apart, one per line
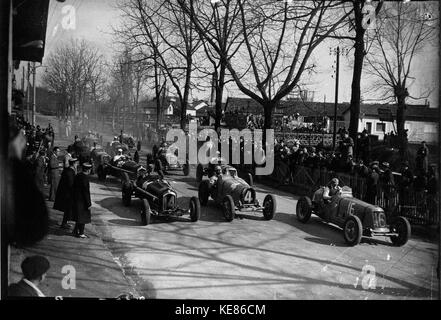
195 209
352 230
145 212
229 208
402 227
269 206
127 193
304 209
204 192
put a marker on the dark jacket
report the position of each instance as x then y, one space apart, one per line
64 197
81 199
21 289
27 218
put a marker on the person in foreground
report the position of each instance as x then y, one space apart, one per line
34 270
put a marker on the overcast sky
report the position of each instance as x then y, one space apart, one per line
95 18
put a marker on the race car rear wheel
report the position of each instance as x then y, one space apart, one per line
402 227
195 209
304 209
199 173
353 230
186 169
127 191
145 212
204 192
269 206
229 208
101 173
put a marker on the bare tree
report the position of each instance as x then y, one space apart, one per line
164 34
404 31
71 70
279 39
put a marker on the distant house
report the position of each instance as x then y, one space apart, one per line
421 121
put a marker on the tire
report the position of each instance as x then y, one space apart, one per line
304 209
269 206
127 191
145 213
101 173
229 208
199 173
195 209
249 179
352 230
402 226
186 169
204 192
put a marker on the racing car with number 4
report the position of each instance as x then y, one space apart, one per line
356 217
233 194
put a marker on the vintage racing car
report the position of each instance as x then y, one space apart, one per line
168 159
356 217
103 164
158 198
234 194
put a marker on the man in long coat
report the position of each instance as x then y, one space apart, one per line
54 173
64 197
81 200
39 170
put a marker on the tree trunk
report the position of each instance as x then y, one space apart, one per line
401 119
219 93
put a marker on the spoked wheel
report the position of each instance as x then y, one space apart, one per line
353 230
229 208
402 227
145 212
269 206
304 209
195 209
199 173
204 192
127 191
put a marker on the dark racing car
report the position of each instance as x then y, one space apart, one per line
233 194
158 198
356 217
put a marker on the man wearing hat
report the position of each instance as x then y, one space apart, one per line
346 145
64 197
406 182
81 200
34 270
388 185
372 181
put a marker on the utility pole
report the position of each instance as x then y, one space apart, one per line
337 70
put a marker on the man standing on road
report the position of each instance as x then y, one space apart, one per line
64 197
81 200
54 173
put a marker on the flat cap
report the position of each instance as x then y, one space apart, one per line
34 267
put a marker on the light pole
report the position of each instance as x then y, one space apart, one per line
34 73
335 51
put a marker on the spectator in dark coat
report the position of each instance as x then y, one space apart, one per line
138 145
388 185
372 184
27 218
64 197
34 270
54 173
346 145
364 146
81 200
136 156
422 157
40 167
406 182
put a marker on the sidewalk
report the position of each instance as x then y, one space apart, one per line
97 274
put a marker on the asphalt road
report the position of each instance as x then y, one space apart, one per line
251 258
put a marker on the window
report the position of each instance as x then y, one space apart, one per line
380 127
369 127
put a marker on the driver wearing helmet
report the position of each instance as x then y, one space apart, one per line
331 190
216 173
